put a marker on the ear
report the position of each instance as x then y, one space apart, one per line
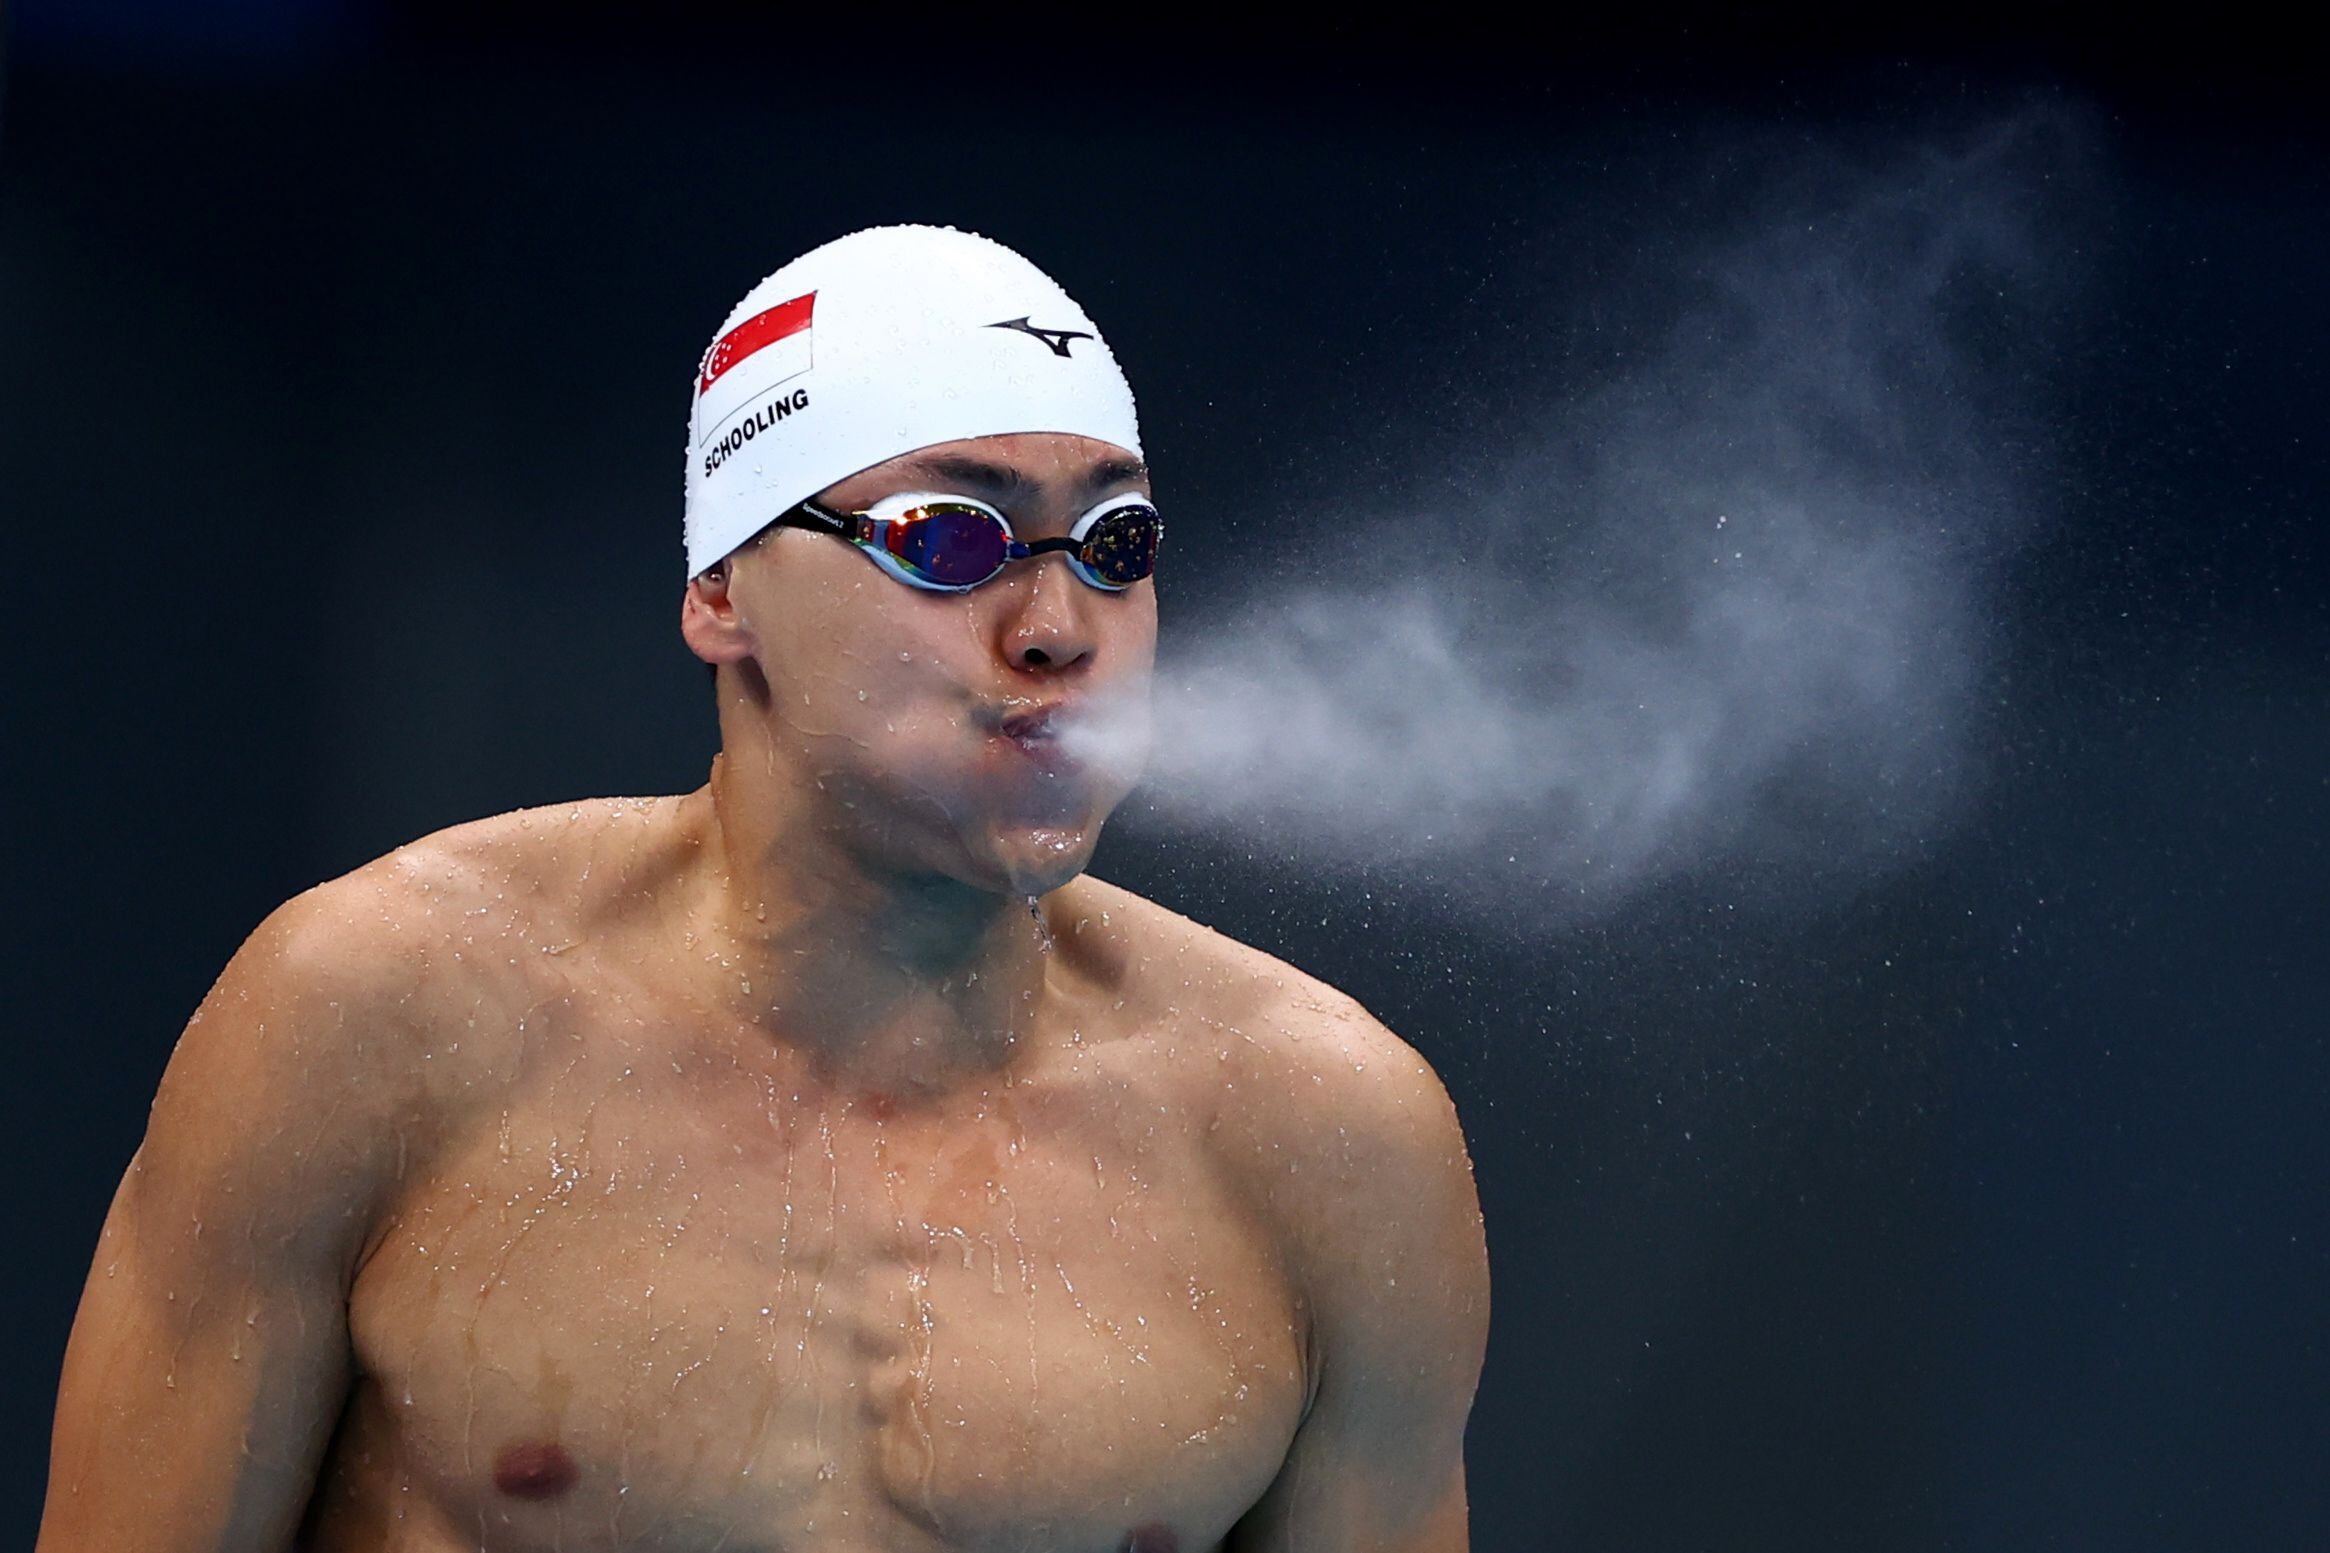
709 621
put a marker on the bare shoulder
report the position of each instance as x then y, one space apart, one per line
291 1092
347 1035
561 851
339 987
1297 1070
353 954
355 979
528 880
384 935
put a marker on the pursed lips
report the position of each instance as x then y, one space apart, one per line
1022 720
1034 729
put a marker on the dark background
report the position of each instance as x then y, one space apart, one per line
1980 1206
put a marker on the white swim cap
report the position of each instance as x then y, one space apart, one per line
878 343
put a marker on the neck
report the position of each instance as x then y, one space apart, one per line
885 977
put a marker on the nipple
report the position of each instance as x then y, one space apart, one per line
535 1469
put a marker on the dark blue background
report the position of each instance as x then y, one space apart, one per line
341 353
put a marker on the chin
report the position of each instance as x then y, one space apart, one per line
993 827
1036 860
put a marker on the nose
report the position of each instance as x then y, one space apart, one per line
1048 630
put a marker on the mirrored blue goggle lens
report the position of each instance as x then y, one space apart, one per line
956 546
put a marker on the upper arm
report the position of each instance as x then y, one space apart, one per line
209 1359
1389 1239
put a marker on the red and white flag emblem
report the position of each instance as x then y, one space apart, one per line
774 342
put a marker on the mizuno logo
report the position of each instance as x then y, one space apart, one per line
1057 339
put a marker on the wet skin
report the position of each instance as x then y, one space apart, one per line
752 1170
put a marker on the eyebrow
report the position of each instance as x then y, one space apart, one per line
1004 481
1115 471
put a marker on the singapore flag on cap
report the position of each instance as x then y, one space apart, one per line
743 365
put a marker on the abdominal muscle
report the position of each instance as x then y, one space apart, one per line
658 1285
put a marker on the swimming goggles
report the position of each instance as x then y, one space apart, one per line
952 544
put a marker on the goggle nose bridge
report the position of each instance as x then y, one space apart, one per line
1017 549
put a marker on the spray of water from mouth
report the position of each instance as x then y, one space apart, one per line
1727 608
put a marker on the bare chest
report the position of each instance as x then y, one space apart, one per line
658 1301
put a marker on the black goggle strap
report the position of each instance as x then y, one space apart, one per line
842 525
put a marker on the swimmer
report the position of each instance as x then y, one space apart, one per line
820 1159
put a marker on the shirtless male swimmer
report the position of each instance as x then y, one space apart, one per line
819 1161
